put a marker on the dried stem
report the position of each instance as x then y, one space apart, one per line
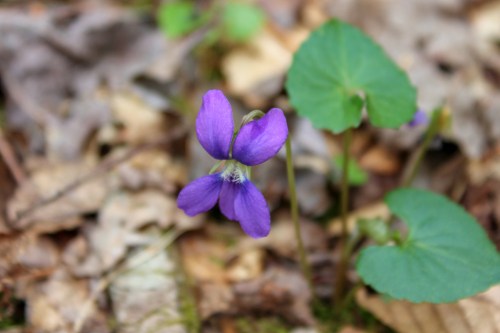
11 161
304 264
341 271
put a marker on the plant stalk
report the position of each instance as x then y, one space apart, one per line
304 264
341 271
417 157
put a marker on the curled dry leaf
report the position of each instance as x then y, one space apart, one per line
280 291
256 71
54 304
479 313
26 255
140 121
119 226
48 179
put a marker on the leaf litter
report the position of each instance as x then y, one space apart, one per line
97 101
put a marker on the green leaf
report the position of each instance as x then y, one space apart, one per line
241 21
177 18
339 70
357 176
446 256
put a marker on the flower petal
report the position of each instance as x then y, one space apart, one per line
252 211
419 118
215 125
261 139
226 202
200 195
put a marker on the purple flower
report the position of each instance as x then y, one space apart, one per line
419 118
256 142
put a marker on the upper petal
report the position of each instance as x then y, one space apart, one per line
215 125
252 211
261 139
227 196
200 195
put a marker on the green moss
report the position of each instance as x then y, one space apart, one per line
352 314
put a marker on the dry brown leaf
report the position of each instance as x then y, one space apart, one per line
378 209
282 232
54 304
481 170
248 265
280 290
146 295
204 258
152 168
476 314
380 160
256 71
26 254
119 227
48 179
140 122
351 329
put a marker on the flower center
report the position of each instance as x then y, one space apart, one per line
235 172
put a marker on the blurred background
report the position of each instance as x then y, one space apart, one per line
97 108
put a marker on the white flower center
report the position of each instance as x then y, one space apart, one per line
235 172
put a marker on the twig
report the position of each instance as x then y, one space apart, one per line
11 161
102 168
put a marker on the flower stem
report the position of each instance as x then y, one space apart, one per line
417 157
341 271
304 264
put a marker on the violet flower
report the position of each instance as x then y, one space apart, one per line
419 118
257 141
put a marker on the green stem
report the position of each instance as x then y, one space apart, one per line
417 157
341 271
304 264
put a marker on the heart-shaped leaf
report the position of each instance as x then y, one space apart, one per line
339 70
446 255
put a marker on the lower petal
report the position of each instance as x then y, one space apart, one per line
200 195
252 211
228 193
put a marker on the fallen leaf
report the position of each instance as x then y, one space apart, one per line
48 179
119 226
380 160
146 295
280 291
475 314
54 304
257 70
375 210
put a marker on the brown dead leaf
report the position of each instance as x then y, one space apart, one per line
48 179
204 258
54 304
119 227
281 291
146 295
140 122
380 160
26 255
256 71
479 313
248 265
378 209
282 233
